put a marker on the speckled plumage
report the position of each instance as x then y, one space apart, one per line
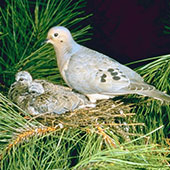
94 74
19 89
40 96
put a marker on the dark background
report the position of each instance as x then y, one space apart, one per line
129 30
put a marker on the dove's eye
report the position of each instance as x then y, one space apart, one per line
21 79
56 34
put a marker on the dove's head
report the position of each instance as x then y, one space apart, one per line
63 43
36 88
59 36
23 76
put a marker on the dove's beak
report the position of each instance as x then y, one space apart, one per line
47 41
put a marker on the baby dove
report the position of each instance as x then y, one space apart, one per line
94 74
19 89
40 96
56 99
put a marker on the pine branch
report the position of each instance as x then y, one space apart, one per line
24 26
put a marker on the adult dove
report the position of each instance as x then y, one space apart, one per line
94 74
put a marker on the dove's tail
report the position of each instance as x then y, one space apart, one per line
157 95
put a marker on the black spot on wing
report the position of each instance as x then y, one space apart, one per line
116 78
110 70
114 73
103 78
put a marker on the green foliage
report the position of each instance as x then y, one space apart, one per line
25 143
68 147
11 122
157 73
24 27
151 111
166 19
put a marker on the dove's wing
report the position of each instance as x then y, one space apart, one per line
99 77
90 72
48 86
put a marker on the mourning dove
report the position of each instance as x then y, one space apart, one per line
19 89
40 96
94 74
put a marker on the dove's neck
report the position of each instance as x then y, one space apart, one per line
63 53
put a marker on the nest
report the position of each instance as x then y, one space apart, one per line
107 114
109 118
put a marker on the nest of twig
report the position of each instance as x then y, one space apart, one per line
108 113
107 118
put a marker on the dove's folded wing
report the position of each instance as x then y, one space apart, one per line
92 72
